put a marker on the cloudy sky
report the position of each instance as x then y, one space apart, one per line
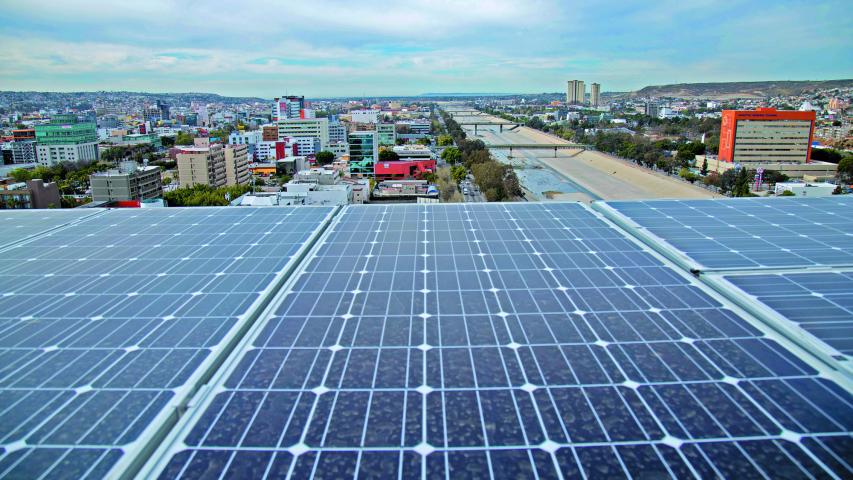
399 47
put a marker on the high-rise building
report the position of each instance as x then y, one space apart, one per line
337 132
363 152
594 94
201 165
65 140
575 92
128 182
296 128
651 109
237 164
386 133
288 107
766 135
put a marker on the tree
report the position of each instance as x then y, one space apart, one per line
845 168
741 187
536 123
445 140
324 158
451 155
183 138
827 155
787 193
704 170
458 172
388 156
423 141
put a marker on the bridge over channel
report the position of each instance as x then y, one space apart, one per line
512 126
539 146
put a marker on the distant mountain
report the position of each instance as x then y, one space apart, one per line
727 90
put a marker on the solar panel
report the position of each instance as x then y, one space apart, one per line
746 233
108 325
506 341
21 224
819 303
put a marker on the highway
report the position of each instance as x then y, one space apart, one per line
574 174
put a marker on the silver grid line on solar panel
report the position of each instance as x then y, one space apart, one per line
742 234
828 335
116 331
324 268
21 225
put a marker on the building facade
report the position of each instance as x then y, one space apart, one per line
129 182
337 132
237 165
201 165
32 194
288 107
24 151
766 135
594 95
305 128
66 141
363 152
364 116
575 92
386 134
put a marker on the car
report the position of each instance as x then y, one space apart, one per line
465 191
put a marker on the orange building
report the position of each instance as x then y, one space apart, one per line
766 135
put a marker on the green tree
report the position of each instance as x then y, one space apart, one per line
787 193
451 155
741 187
183 138
845 168
704 170
458 172
324 158
445 140
388 156
21 174
423 141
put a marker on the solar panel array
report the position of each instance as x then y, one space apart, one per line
21 224
507 341
819 303
107 325
751 232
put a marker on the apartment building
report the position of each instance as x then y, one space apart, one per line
237 165
203 165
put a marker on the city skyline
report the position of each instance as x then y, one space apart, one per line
331 48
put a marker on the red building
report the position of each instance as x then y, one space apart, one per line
766 135
402 169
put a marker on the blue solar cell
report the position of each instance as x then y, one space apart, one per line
818 303
109 322
750 233
491 340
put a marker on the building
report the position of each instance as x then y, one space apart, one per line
338 148
128 182
386 134
363 152
594 94
201 164
403 169
575 92
288 108
269 133
413 152
766 135
307 145
651 109
24 151
802 189
337 132
405 189
299 128
252 137
30 194
364 116
237 165
65 140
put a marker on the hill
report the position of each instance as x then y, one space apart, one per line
725 90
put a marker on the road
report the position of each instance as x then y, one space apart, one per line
574 175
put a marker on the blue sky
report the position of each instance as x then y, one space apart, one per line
347 48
